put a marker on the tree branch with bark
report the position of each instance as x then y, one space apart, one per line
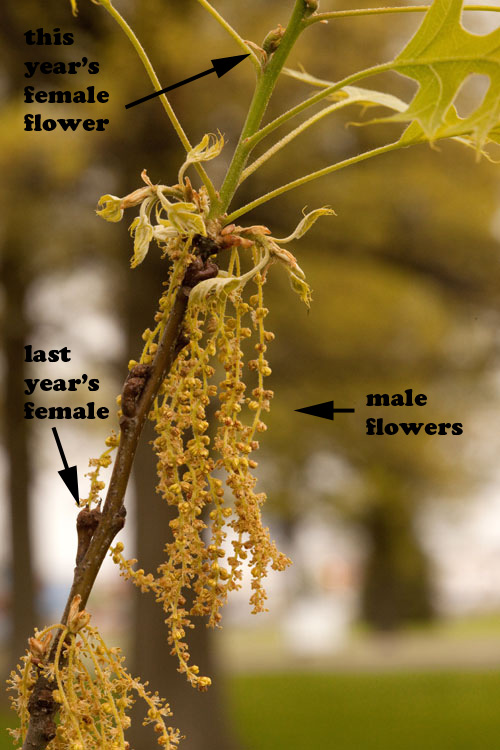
97 532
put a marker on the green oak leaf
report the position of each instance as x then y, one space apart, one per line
440 57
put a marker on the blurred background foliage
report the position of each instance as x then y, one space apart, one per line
405 290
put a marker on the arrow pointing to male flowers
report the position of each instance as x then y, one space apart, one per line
69 474
221 65
326 410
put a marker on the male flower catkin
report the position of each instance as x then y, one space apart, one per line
219 373
91 687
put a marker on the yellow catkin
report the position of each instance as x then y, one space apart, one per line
208 411
92 688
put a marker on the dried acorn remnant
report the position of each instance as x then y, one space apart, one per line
87 522
133 388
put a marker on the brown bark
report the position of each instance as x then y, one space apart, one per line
397 582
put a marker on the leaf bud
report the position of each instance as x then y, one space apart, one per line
312 6
76 619
273 39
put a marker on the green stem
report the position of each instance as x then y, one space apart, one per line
323 94
141 52
262 94
379 11
300 129
232 32
314 176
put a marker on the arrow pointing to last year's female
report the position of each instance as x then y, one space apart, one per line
69 474
221 65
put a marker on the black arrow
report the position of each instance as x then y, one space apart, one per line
69 474
221 66
326 410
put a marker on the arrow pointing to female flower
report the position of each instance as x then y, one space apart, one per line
221 65
69 474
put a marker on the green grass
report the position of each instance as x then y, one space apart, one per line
7 719
395 711
427 711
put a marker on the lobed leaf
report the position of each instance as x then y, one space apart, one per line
440 57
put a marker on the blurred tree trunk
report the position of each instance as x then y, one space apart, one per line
199 716
16 330
397 580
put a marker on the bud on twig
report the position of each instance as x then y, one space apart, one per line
86 524
77 619
312 5
273 39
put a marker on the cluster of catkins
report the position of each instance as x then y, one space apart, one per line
90 686
208 413
211 374
208 416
